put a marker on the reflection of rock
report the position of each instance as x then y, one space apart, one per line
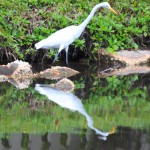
3 78
19 74
70 101
20 83
125 57
124 71
65 85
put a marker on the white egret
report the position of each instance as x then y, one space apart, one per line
64 37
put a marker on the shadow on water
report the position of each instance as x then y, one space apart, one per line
120 101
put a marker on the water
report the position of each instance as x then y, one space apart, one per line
125 139
102 113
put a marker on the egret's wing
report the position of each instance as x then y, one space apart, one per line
64 36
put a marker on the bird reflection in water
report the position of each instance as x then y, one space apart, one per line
72 102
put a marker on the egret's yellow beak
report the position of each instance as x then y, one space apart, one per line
113 10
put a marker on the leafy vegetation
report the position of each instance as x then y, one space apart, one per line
23 23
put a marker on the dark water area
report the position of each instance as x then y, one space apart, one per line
102 103
125 139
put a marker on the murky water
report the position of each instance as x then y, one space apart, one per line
104 112
125 139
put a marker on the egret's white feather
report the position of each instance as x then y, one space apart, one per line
66 35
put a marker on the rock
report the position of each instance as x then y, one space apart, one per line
125 57
57 72
16 69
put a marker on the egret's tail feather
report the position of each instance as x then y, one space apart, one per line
40 44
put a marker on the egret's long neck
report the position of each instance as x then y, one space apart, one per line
87 20
90 123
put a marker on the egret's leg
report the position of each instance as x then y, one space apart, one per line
60 49
66 49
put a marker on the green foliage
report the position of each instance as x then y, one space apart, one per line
79 43
23 23
122 31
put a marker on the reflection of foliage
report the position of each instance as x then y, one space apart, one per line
112 102
25 141
11 95
5 142
118 104
19 114
118 86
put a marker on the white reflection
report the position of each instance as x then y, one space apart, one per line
70 101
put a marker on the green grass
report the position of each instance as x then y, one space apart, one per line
23 23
